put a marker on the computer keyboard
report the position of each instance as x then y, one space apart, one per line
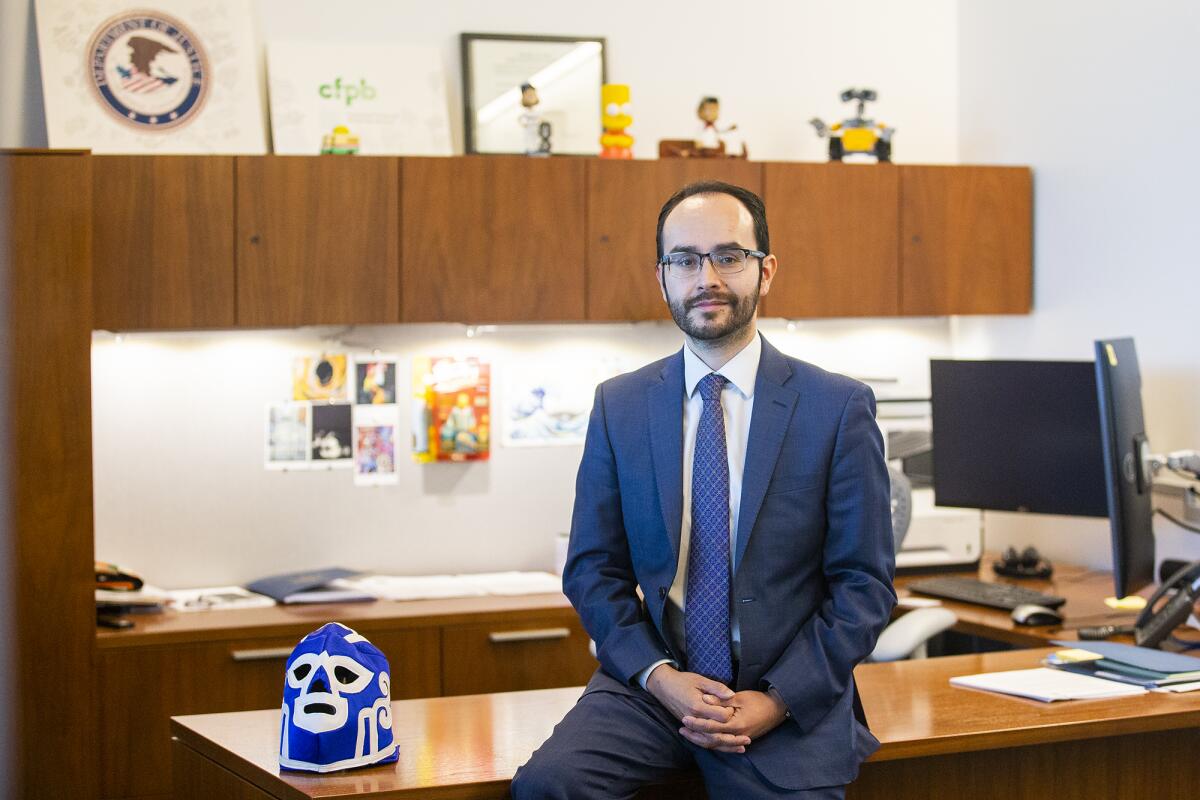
996 595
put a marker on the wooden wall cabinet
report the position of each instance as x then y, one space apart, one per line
317 240
624 198
163 242
212 241
966 240
835 229
493 239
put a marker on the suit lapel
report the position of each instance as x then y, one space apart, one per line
665 413
773 406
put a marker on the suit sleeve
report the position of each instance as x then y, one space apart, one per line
598 578
815 670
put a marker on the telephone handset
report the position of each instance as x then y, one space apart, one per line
1153 625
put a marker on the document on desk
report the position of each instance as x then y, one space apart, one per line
434 587
1047 685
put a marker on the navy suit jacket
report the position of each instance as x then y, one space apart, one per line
813 561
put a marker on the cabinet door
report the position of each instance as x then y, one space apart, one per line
506 656
624 198
163 242
834 230
492 239
317 240
966 240
138 690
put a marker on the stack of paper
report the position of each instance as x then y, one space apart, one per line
146 600
1140 666
1047 685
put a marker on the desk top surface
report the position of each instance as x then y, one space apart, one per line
172 627
480 740
1084 589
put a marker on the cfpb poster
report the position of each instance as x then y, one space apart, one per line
392 97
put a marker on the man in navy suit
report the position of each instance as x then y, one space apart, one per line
745 494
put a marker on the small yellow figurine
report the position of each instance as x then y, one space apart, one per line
614 113
341 142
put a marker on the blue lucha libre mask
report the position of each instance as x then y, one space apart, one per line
337 703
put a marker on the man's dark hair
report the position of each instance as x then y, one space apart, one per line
752 202
705 101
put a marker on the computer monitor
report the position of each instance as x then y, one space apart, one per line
1017 436
1127 470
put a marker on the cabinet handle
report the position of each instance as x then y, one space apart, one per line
536 635
263 654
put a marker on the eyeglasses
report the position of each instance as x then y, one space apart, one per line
726 261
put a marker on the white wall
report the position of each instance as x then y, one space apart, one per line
183 498
774 65
1100 99
22 119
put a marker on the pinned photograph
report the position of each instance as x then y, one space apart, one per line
375 429
548 402
451 409
320 378
288 435
331 437
374 382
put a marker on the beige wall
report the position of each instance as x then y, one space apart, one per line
1099 98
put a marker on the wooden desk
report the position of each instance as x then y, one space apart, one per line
1084 590
937 740
217 661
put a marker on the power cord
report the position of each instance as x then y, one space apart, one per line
1185 474
1186 526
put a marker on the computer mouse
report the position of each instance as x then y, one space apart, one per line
1030 614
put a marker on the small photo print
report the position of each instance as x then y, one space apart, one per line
319 378
375 445
331 442
375 382
287 435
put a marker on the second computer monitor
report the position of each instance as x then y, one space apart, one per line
1017 436
1126 464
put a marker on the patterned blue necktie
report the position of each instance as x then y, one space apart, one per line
706 606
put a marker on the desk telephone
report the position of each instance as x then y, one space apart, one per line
1180 593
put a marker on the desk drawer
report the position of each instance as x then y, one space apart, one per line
138 690
533 653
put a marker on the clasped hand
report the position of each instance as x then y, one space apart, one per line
714 716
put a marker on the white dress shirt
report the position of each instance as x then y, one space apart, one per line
737 404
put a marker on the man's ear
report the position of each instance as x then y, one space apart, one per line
662 286
769 266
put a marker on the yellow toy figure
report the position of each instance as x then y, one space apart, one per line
614 113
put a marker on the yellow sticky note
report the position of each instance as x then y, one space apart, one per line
1076 655
1131 603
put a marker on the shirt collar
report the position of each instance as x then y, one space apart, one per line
741 370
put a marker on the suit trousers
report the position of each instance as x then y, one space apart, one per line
612 744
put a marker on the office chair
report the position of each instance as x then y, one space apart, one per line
908 636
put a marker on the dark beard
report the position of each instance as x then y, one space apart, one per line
740 317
